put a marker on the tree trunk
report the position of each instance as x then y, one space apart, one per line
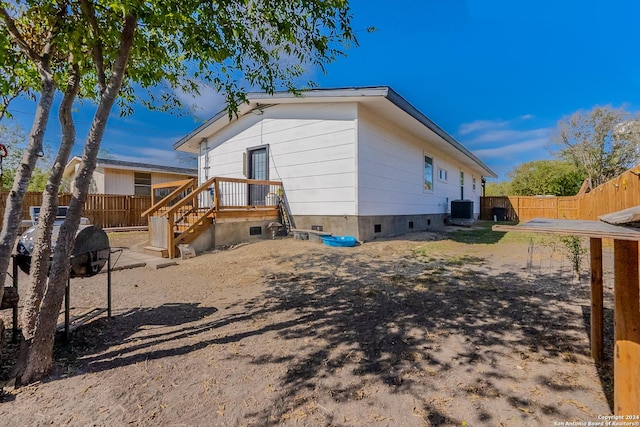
40 257
1 338
10 298
13 208
39 356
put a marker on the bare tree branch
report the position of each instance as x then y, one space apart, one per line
96 50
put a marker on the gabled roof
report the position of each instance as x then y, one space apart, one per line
134 166
382 99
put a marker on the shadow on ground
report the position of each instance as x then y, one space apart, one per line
415 325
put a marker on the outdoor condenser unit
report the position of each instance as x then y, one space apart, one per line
462 210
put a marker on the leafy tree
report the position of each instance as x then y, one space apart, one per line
545 177
15 140
500 188
108 48
27 49
602 142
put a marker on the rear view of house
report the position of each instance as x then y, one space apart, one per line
356 161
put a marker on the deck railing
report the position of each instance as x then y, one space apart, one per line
187 217
168 194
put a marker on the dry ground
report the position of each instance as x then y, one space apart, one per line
426 329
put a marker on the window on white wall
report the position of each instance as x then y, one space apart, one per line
443 174
428 173
142 184
473 181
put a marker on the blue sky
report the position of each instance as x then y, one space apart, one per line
495 74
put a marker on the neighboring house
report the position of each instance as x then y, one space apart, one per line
357 161
127 178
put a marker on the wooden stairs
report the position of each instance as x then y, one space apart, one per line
180 218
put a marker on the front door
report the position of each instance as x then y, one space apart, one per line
258 169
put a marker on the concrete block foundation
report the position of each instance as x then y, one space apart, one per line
370 227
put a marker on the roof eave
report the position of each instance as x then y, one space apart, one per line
405 106
342 94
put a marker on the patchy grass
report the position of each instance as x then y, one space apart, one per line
481 233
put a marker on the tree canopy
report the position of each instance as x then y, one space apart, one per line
602 142
111 51
545 177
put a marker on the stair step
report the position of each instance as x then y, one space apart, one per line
156 251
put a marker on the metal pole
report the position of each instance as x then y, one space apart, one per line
109 285
66 309
15 307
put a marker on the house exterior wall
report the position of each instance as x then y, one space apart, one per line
344 168
118 181
98 183
121 181
311 149
391 167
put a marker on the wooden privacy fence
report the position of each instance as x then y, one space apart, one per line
103 210
620 193
524 208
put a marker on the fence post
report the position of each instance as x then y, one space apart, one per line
129 208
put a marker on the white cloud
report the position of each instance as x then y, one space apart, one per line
205 104
521 149
501 137
154 156
478 125
504 144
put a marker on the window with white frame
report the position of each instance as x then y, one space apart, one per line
428 173
473 181
443 174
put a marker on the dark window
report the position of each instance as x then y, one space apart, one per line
316 227
428 222
410 225
255 231
142 184
377 228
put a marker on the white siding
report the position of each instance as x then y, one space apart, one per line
99 180
117 181
159 178
311 150
390 172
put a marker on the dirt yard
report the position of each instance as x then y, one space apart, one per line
426 329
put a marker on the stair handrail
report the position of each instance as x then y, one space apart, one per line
171 212
177 239
188 198
162 203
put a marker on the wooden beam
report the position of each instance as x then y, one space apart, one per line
626 351
597 310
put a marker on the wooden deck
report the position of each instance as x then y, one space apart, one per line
186 211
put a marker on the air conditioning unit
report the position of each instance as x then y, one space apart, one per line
461 210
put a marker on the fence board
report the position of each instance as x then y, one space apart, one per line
620 193
103 210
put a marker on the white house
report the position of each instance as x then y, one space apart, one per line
357 161
127 178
